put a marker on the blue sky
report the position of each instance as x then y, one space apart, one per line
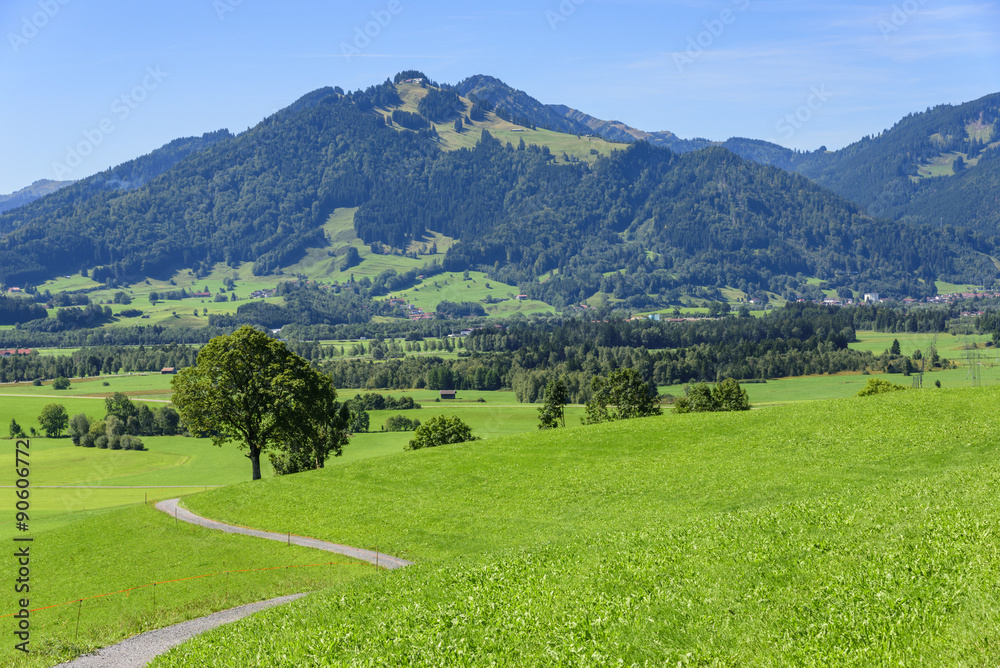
89 84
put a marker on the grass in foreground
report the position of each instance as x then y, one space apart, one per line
861 534
121 549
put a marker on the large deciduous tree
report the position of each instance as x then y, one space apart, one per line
249 388
54 420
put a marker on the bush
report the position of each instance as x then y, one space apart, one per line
400 423
725 396
79 426
879 386
60 383
441 430
129 442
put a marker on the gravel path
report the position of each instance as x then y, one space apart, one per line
383 560
141 649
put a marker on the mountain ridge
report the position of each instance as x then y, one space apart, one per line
642 224
903 172
29 194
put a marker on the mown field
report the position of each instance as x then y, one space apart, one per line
69 480
857 535
862 535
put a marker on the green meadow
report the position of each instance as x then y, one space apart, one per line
947 345
99 572
856 532
859 535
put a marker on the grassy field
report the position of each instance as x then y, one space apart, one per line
952 347
111 551
951 288
177 465
860 536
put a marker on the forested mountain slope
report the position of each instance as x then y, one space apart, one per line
644 224
938 166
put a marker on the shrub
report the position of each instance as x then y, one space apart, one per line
60 383
441 430
879 386
725 396
79 426
400 423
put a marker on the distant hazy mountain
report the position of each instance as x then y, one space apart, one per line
36 190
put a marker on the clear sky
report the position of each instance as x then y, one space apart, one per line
87 84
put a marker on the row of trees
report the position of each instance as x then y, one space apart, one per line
96 361
624 395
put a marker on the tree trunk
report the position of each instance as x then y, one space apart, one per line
255 462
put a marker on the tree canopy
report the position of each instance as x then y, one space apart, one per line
250 388
54 420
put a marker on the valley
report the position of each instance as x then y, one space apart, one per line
494 259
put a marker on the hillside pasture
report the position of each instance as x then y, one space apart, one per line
860 536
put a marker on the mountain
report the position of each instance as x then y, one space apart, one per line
560 118
127 176
36 190
517 105
906 172
643 224
938 166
